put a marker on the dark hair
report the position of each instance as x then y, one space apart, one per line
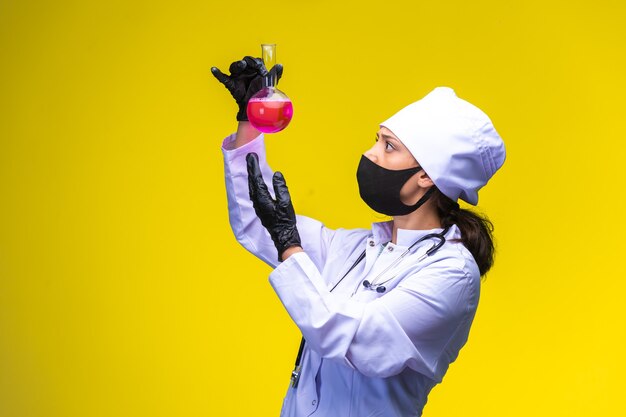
476 229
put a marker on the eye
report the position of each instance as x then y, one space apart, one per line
389 146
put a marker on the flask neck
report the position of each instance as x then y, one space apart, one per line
269 81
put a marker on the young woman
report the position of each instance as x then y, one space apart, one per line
383 311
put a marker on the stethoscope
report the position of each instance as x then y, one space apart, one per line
373 285
379 287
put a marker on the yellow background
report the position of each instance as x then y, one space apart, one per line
122 289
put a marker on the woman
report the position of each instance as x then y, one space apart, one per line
383 312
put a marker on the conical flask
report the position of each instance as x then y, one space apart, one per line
269 110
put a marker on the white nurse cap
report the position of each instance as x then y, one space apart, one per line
453 140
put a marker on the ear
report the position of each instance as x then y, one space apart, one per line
424 180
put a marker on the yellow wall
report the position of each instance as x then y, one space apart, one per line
122 289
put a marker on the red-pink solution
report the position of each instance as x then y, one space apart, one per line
270 116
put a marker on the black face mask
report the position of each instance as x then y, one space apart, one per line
380 188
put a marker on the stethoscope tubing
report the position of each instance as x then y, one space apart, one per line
379 287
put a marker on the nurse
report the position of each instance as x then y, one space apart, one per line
383 311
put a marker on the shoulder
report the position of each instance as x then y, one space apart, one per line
451 273
350 240
346 243
454 258
464 260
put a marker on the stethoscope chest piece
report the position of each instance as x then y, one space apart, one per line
379 288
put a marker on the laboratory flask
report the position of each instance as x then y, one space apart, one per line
269 110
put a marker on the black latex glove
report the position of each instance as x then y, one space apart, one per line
277 216
245 80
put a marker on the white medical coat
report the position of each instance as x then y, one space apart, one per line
366 353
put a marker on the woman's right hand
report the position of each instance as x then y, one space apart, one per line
245 80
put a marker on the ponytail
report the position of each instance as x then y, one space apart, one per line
476 229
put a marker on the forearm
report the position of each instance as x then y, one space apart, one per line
290 251
421 324
245 133
243 220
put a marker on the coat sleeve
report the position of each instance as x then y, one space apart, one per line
244 222
420 324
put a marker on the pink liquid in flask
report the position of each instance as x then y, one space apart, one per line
270 116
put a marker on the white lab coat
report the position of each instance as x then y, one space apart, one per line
366 354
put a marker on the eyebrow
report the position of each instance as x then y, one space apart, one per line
384 136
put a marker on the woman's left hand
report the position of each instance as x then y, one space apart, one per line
277 216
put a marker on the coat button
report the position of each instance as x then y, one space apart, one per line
390 248
313 402
371 243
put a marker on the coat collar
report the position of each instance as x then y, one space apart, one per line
382 231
